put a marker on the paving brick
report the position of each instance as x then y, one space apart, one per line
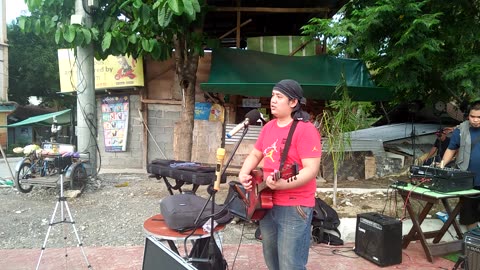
243 257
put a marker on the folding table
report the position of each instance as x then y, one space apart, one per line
431 197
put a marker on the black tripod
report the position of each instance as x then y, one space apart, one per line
62 201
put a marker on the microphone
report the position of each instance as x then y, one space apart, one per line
251 117
218 169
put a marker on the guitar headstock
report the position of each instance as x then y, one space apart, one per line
287 172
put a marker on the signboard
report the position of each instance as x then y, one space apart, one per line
114 72
202 110
115 122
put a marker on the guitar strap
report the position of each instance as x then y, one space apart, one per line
287 144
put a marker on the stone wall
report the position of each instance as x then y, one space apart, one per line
355 166
161 123
352 166
387 166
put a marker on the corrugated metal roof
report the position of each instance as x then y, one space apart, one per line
252 134
360 145
369 139
394 132
409 149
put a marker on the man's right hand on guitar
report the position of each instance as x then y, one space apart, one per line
246 180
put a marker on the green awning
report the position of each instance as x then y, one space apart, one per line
252 73
62 117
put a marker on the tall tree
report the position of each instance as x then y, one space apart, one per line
424 50
140 28
33 68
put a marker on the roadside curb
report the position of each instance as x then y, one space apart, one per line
354 190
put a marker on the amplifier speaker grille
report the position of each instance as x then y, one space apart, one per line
378 238
472 249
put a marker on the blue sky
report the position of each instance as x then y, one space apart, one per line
14 9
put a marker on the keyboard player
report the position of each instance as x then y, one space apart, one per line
465 142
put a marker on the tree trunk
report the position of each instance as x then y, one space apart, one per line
186 63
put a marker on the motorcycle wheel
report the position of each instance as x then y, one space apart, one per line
24 173
79 177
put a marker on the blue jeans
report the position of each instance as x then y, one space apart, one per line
286 233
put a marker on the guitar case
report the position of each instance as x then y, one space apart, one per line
184 171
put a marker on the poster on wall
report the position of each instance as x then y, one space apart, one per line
202 110
217 113
115 122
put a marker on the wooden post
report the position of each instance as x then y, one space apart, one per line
239 14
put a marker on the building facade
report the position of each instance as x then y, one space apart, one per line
5 108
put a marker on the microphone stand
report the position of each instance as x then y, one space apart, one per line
211 244
413 142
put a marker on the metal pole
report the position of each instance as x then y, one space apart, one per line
6 161
86 102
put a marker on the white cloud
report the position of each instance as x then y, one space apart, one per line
14 9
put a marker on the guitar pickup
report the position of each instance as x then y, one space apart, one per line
295 168
289 171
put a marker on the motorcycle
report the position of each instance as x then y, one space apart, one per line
37 169
124 73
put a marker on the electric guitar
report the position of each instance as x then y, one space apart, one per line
260 197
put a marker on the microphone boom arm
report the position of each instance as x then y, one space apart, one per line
235 148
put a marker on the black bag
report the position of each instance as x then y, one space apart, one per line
181 210
325 224
201 250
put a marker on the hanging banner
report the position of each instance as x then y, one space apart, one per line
115 122
114 72
217 113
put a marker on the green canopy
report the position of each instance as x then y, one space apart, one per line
252 73
62 117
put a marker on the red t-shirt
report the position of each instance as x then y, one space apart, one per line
305 144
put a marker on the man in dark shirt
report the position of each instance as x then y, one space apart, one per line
465 142
439 147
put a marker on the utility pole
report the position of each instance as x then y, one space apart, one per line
86 130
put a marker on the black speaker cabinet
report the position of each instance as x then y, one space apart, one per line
157 256
472 249
378 238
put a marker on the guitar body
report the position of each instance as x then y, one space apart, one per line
260 198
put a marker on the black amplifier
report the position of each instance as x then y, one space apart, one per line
472 249
441 179
378 238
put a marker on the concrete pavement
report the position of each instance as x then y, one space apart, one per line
4 167
347 228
